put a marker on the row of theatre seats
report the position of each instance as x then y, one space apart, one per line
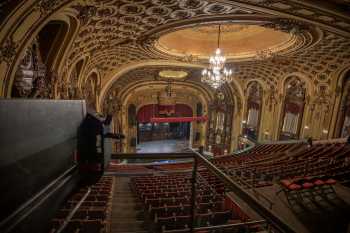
265 164
167 202
89 215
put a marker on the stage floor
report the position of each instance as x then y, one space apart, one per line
163 146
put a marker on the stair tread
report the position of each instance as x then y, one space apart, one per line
125 216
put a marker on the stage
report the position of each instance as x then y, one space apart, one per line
163 146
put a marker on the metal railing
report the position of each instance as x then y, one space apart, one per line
249 198
20 214
73 211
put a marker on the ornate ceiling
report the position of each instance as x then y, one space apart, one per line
114 34
236 41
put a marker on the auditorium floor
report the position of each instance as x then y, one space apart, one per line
163 146
329 215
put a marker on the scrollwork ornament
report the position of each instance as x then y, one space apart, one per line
8 51
287 25
46 6
86 13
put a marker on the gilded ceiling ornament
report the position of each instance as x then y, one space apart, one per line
107 25
46 6
192 4
287 25
8 51
182 14
217 8
86 13
167 3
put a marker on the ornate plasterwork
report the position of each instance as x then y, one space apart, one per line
115 37
237 41
114 33
8 51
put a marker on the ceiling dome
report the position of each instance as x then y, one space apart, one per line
238 41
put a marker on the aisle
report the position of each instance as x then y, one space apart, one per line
126 216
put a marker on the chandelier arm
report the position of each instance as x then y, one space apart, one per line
219 36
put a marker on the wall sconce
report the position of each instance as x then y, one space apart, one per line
244 121
306 127
266 133
325 131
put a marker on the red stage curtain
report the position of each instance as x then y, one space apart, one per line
178 119
146 112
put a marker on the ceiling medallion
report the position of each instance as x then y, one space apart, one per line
173 74
217 74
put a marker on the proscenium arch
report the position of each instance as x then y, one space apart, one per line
125 95
140 88
131 66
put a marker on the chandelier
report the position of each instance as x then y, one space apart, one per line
217 74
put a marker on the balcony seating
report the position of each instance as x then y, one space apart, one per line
266 163
167 201
91 216
298 189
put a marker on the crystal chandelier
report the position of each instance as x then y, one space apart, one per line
217 74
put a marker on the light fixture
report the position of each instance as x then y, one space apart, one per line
173 74
217 74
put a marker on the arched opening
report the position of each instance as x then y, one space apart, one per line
343 123
73 81
90 89
35 76
293 108
220 114
253 115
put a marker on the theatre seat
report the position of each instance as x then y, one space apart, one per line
91 226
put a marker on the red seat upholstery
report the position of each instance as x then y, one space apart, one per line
318 182
330 181
307 185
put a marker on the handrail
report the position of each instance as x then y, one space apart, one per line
74 210
248 197
266 213
224 226
252 187
230 225
183 155
32 201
